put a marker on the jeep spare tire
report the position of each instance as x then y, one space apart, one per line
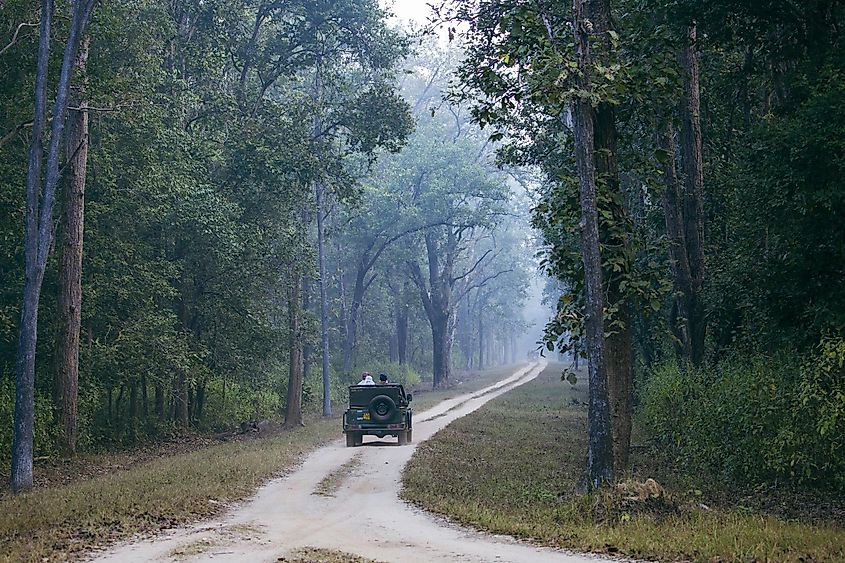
382 408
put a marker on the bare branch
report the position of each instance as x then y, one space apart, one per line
482 283
15 36
11 134
474 267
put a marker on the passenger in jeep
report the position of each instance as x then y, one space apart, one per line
366 379
382 379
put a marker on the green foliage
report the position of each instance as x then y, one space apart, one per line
822 397
202 161
778 266
44 426
752 421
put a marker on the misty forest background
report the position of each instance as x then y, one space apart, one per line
280 195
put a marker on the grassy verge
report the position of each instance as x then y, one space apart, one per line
146 491
513 467
59 522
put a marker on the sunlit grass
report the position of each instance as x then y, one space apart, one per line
514 465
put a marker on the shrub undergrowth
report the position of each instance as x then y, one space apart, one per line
758 420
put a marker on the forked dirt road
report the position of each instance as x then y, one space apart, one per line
359 511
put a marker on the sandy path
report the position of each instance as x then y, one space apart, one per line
364 517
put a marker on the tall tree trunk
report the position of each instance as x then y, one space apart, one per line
402 332
618 346
192 405
144 398
38 227
118 411
133 410
181 399
324 301
693 191
159 400
441 351
200 400
70 268
307 349
481 341
674 216
599 449
293 402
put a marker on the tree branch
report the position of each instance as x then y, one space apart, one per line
474 267
15 36
11 134
482 283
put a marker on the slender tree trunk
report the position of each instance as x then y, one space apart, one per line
159 401
618 356
441 351
694 191
118 411
600 449
192 405
402 333
70 269
307 349
38 229
200 400
144 398
25 363
674 216
293 402
324 301
133 410
181 399
481 341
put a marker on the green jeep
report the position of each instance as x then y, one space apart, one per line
377 410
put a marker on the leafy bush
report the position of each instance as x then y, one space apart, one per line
754 421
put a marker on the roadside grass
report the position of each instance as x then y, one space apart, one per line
514 466
66 521
120 495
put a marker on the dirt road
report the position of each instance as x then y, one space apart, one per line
346 499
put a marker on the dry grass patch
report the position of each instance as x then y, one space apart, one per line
319 555
330 484
67 521
514 465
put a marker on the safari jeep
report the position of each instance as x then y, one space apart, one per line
377 410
